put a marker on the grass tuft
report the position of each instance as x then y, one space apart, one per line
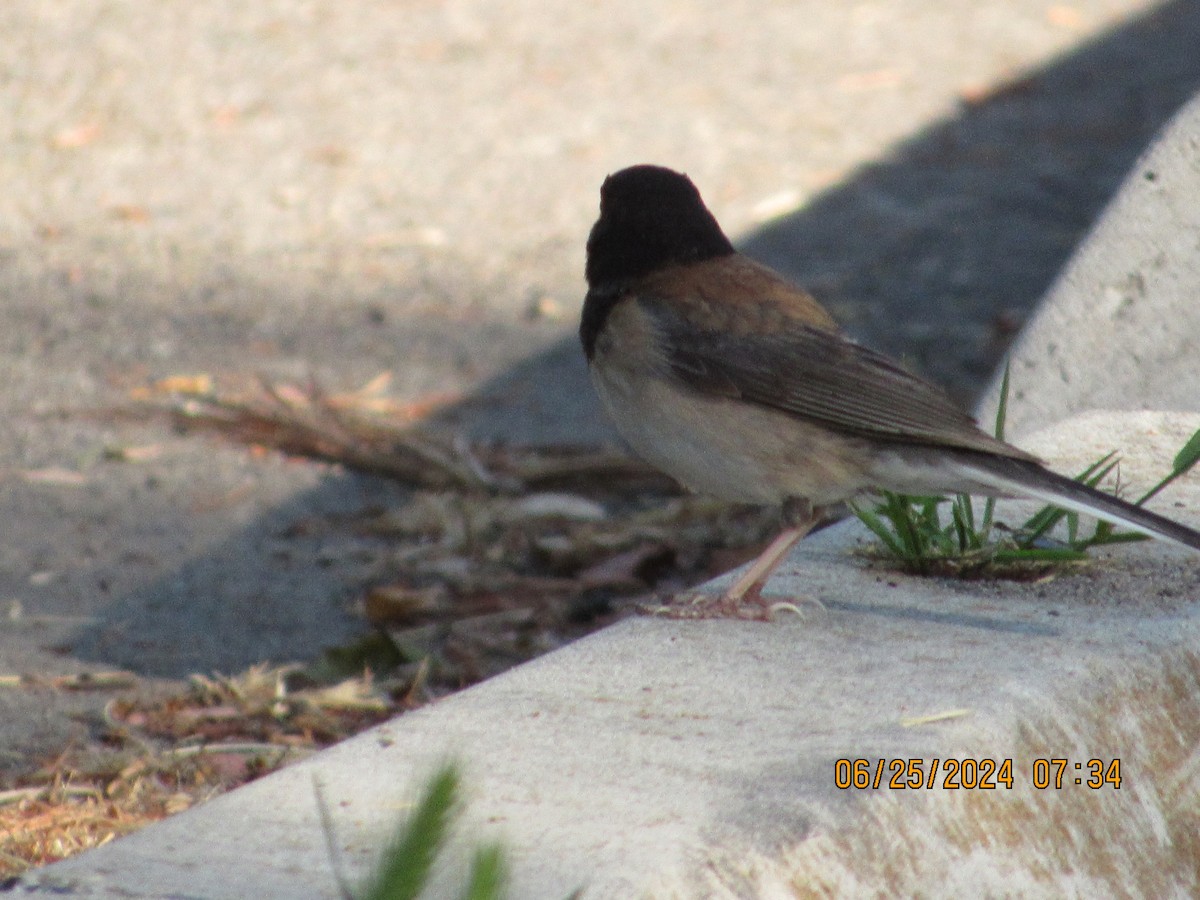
915 534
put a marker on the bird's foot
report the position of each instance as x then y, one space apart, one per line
752 607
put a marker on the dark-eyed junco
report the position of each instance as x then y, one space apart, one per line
738 384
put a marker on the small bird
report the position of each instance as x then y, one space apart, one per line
735 382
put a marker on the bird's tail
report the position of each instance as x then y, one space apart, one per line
1024 478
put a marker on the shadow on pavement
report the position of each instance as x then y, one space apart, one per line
935 253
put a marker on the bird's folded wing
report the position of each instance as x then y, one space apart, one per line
817 375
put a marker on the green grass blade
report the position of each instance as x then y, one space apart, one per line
1040 523
929 528
927 518
408 860
1002 405
489 875
1101 473
900 511
966 508
1113 537
1185 459
875 524
961 528
989 506
1154 490
989 515
1188 456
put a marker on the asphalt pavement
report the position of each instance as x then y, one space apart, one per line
330 190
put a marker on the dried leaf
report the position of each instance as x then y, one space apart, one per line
400 604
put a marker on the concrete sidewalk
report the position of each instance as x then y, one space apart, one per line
699 759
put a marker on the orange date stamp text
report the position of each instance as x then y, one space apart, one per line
973 774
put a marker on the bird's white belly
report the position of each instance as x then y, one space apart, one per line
727 448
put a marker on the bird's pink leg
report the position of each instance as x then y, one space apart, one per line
744 598
749 586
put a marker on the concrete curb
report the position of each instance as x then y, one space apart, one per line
1120 329
665 758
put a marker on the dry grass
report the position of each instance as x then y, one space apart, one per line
41 828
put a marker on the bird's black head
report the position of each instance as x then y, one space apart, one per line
650 217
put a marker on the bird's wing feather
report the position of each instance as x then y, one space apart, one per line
818 375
